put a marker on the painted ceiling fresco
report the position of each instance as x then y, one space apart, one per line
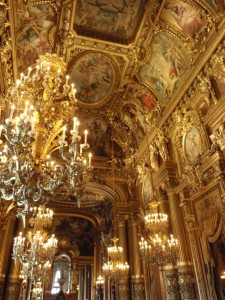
93 75
100 138
116 20
116 58
167 67
143 95
33 26
217 5
182 16
76 229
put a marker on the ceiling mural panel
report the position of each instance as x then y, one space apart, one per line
167 67
32 29
100 138
94 77
76 229
217 5
182 16
143 95
115 20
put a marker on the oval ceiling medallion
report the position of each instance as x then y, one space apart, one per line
94 77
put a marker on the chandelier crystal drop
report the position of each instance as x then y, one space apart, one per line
37 158
36 250
158 248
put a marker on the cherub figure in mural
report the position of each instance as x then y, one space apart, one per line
176 61
87 14
125 19
188 19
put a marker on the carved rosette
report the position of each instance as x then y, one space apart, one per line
138 289
187 285
172 288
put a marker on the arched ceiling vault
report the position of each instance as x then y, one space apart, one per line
130 60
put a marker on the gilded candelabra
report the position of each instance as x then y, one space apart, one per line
115 268
37 159
36 250
159 247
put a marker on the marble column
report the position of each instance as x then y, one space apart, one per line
136 270
185 273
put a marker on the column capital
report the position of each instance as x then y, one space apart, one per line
170 184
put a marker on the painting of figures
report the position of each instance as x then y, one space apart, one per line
100 138
192 145
133 117
143 95
217 5
167 66
76 229
183 16
109 17
93 76
32 31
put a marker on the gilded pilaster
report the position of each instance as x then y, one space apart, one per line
190 224
5 250
123 286
122 235
178 228
137 281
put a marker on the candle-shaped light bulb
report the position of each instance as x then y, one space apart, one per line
26 107
29 70
1 127
85 136
21 77
67 78
74 123
12 111
81 149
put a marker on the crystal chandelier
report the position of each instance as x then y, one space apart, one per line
36 250
37 159
115 268
158 248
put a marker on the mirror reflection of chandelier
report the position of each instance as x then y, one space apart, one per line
37 158
115 268
158 248
36 250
